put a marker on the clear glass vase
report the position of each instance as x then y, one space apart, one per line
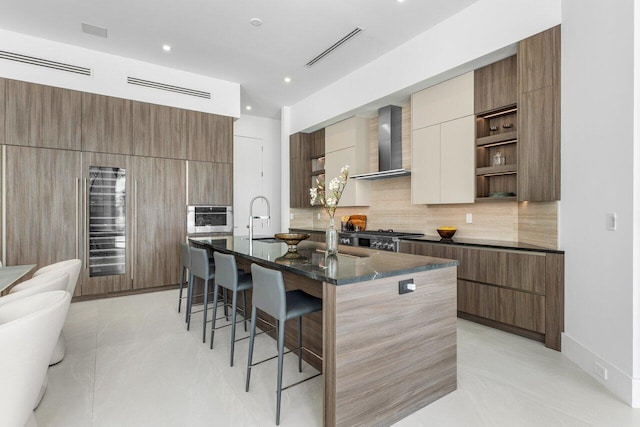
332 238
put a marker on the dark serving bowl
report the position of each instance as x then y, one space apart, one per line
446 233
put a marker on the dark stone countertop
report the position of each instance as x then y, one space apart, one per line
492 244
351 265
480 243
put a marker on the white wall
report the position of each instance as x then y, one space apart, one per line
484 27
110 75
268 130
597 178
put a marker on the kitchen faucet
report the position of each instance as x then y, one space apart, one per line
251 217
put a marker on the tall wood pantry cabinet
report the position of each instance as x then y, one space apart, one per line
65 151
42 205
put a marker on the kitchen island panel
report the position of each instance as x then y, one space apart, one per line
387 355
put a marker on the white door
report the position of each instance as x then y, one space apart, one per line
248 183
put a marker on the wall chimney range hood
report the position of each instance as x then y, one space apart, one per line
389 145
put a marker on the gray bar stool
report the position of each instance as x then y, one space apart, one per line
202 268
269 296
185 264
228 277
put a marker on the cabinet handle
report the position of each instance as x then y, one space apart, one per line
134 229
85 210
77 214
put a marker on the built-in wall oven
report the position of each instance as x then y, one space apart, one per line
209 219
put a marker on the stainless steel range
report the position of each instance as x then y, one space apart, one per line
386 240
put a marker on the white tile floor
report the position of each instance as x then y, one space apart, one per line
131 362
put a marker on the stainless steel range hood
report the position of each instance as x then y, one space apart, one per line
389 145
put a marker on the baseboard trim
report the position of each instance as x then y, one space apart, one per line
618 382
125 293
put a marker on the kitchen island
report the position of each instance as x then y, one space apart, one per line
385 354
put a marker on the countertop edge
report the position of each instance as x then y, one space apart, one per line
511 246
337 282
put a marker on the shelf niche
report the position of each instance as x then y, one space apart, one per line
496 132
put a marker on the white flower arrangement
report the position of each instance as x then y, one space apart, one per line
331 199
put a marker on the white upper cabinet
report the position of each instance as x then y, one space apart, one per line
442 145
346 143
443 102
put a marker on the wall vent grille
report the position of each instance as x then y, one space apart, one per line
39 62
169 88
336 45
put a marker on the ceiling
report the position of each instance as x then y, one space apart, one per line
216 39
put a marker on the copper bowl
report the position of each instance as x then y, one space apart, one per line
292 239
446 233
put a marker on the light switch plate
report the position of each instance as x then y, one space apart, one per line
612 221
292 216
469 218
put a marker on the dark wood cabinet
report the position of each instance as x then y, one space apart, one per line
208 137
43 209
496 85
98 285
2 112
159 226
157 131
300 170
106 124
42 116
515 290
317 144
539 117
539 60
210 183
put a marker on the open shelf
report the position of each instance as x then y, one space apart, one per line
496 199
318 172
497 170
498 139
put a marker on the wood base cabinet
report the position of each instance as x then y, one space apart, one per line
515 290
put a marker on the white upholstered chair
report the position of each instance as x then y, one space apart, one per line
29 328
52 281
72 267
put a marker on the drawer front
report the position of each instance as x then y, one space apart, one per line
477 299
521 309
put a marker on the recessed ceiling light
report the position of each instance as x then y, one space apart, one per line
256 22
166 48
248 107
287 79
400 1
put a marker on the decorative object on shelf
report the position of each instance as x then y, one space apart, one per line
446 232
493 128
499 159
292 239
507 126
330 199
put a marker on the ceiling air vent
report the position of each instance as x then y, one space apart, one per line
169 88
336 45
39 62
